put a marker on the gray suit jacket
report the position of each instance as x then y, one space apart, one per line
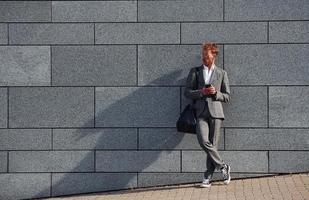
219 80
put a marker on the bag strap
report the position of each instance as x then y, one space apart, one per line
196 77
196 80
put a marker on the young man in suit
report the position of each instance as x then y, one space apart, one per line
212 89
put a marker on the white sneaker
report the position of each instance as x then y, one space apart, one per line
226 170
205 183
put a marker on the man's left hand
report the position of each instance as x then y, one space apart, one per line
212 90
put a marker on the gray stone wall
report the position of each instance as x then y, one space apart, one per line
90 92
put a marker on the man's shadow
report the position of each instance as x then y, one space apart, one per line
67 183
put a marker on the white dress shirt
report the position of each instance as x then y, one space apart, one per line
207 73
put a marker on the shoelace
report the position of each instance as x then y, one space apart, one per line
224 171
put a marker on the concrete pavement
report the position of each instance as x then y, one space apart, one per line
281 187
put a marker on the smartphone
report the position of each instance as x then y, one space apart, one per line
207 85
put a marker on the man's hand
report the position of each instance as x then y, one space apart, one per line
209 90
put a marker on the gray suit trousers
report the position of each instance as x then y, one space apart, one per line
208 135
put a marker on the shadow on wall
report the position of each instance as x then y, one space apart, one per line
118 169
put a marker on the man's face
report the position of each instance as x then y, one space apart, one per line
208 57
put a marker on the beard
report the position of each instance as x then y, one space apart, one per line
207 61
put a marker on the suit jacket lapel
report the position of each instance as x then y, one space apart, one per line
213 76
201 75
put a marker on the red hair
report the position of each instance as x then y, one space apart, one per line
208 46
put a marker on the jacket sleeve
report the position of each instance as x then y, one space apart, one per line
224 93
190 91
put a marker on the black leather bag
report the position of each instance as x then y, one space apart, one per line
187 120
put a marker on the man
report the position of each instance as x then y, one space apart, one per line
209 110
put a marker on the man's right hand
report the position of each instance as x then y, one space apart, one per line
207 91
